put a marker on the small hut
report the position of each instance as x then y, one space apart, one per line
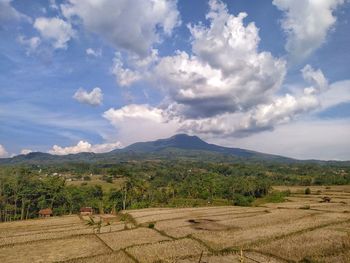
47 212
86 211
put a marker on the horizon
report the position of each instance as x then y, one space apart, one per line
268 76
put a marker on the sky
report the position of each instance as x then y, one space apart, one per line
92 76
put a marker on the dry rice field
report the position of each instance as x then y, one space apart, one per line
302 229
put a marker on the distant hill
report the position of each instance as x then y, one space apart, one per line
180 146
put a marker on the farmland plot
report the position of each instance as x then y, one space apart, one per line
302 228
167 251
129 238
53 250
316 243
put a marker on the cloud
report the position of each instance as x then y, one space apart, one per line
53 5
265 116
26 151
93 52
3 152
306 24
55 30
140 123
8 13
84 146
302 139
94 98
31 44
338 92
225 73
124 76
316 79
132 26
137 68
226 86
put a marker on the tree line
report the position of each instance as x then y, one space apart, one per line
26 190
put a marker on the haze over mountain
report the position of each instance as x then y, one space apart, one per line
178 146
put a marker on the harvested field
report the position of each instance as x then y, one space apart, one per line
53 250
167 251
43 236
300 228
119 257
133 237
248 257
247 236
166 214
342 257
332 188
315 244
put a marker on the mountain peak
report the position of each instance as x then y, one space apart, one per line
183 137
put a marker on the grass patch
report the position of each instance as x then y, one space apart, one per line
273 197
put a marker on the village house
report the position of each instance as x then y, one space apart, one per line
47 212
86 211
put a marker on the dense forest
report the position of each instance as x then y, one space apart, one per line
24 190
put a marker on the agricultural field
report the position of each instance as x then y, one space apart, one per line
97 180
304 228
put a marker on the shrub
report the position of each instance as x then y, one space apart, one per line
307 191
241 200
274 197
151 225
277 197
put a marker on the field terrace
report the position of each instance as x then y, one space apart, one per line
302 228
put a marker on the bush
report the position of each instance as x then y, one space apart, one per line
241 200
87 178
277 197
307 191
151 225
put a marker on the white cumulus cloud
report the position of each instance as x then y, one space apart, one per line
225 73
26 151
265 116
140 122
94 97
306 23
3 152
124 76
55 30
94 52
130 25
226 86
84 146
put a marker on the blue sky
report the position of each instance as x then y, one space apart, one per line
270 76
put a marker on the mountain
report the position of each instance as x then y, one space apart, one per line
178 146
191 143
